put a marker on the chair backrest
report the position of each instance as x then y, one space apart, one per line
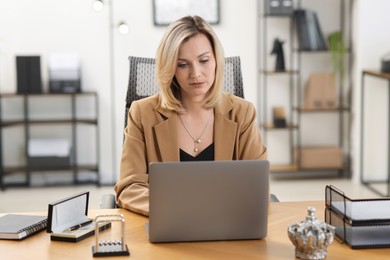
142 79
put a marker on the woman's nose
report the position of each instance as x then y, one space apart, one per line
195 71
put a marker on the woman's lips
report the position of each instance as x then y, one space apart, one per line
197 84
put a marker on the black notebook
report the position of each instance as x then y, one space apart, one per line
15 226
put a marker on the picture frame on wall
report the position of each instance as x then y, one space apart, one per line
167 11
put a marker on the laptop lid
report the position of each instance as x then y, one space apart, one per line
208 200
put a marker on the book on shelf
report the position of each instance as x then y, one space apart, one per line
18 227
310 36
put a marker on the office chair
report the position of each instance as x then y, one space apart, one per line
142 79
142 83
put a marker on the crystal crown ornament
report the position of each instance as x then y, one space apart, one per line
311 237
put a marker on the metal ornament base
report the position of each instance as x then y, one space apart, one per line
112 247
110 250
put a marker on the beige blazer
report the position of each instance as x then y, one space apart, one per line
151 136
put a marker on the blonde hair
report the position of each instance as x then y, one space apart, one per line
167 56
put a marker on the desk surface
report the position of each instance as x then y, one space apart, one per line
275 246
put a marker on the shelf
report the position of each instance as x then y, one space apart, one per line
322 169
71 121
364 176
317 51
275 72
378 74
287 89
14 169
48 121
312 51
46 94
272 127
284 168
294 168
278 15
314 110
52 184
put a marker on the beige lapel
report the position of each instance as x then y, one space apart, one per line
166 135
224 130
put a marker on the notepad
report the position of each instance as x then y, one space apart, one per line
17 227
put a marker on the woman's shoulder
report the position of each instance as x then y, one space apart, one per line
235 101
236 108
150 101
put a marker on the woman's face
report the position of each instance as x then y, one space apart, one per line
195 70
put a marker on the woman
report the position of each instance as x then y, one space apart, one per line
190 119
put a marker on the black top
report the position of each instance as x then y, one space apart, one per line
206 155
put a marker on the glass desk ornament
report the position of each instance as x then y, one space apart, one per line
311 237
111 247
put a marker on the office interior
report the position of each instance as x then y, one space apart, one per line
46 27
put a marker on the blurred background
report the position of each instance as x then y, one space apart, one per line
64 72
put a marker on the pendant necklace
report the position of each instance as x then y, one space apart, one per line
196 140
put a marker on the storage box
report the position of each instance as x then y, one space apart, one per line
49 153
68 219
279 7
321 91
359 223
64 73
279 117
48 161
385 63
320 157
28 71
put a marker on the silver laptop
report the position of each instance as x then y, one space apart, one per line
208 200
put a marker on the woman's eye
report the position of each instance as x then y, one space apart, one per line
182 65
204 61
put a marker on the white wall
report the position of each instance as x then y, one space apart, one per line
371 43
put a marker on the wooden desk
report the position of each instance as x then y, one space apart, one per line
276 246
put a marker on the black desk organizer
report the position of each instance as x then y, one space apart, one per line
363 223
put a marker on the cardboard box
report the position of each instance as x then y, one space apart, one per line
321 91
320 157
